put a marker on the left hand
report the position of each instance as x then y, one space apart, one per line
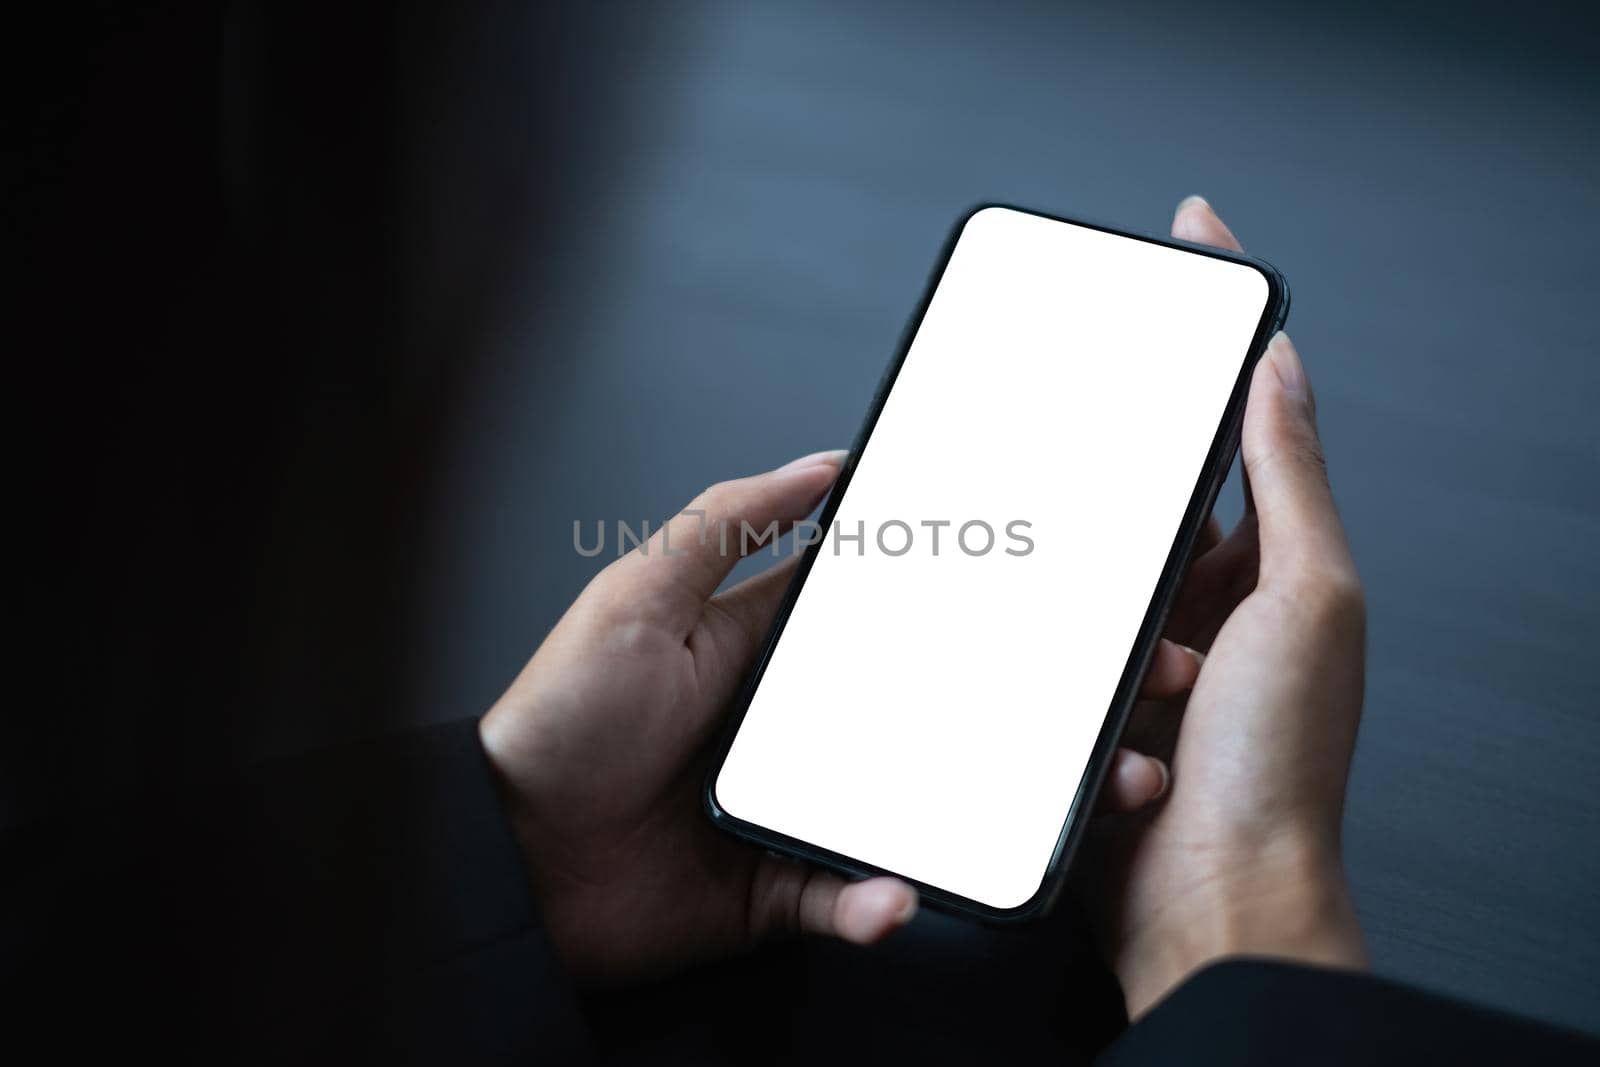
1243 856
601 744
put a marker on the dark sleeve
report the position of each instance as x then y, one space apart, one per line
366 903
1245 1012
383 905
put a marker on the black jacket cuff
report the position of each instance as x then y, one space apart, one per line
386 907
1249 1011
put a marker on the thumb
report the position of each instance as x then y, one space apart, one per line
1299 525
678 569
788 896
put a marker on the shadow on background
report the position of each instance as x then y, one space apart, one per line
341 323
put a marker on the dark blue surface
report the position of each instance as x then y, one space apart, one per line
738 209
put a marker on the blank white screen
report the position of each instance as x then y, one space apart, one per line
933 715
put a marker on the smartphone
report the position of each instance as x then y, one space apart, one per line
967 630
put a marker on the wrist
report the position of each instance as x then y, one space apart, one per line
1293 905
577 909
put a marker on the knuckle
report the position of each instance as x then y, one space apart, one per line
1302 452
713 499
1296 450
1308 454
1334 596
773 903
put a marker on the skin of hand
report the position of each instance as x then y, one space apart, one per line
600 746
1242 857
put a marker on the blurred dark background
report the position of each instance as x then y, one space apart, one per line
330 323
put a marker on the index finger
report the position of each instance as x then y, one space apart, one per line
1196 220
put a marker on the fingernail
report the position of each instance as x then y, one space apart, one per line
1199 657
906 913
1190 201
1166 778
1286 362
833 458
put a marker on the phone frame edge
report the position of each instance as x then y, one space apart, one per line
1219 460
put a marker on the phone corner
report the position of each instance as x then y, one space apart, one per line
982 210
1277 288
1036 906
710 803
1281 297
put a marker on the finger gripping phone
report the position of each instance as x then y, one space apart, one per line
944 687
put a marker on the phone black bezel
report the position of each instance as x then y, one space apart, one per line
1218 462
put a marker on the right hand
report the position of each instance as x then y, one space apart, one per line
1243 857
